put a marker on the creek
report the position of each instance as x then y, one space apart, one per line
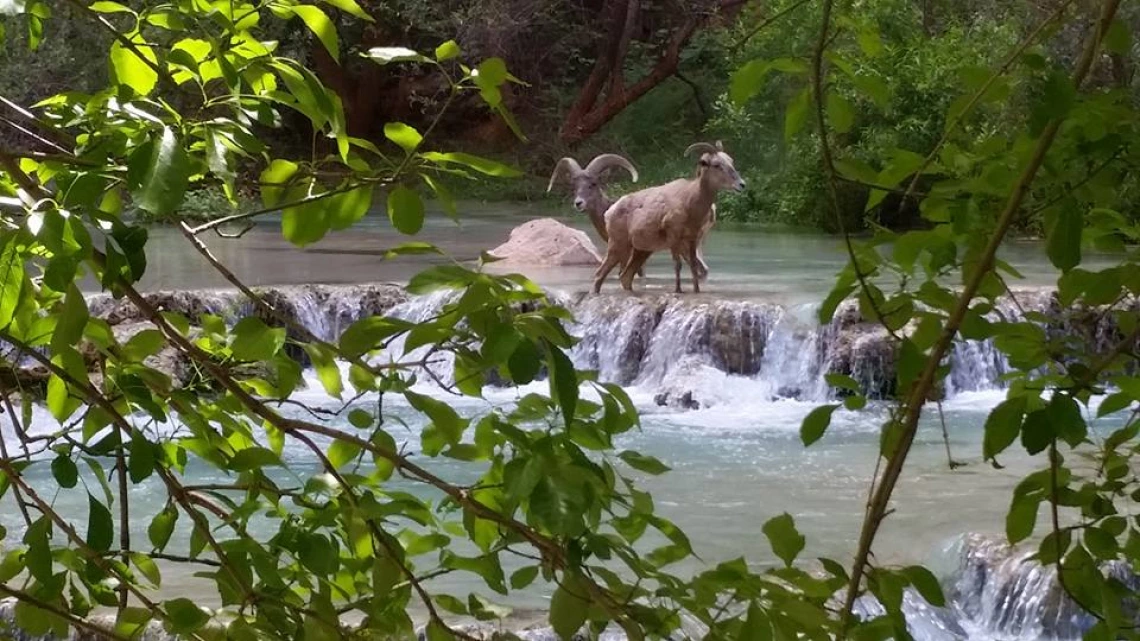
723 380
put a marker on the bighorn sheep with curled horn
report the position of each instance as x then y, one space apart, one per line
675 215
587 185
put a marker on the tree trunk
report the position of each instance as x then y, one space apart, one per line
605 93
575 130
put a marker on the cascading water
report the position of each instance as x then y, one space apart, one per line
795 358
615 336
725 352
975 366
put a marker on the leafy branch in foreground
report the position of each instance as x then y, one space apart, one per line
976 190
325 516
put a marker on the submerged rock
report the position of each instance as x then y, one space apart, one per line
547 242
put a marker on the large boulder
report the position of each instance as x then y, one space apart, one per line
547 242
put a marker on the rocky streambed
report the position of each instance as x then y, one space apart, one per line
671 345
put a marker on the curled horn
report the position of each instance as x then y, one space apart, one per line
605 161
703 148
566 168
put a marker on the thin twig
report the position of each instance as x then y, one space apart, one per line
1080 183
829 167
946 439
77 622
760 27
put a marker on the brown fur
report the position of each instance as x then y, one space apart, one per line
674 216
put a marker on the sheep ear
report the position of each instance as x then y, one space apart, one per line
719 146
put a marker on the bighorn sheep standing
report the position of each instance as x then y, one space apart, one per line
672 216
587 185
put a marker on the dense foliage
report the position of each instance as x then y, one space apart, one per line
194 91
925 55
361 521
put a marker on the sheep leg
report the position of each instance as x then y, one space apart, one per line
636 261
703 266
613 258
677 271
694 267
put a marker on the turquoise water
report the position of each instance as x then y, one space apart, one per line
735 464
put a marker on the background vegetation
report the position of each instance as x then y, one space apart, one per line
930 51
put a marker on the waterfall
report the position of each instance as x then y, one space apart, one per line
687 351
795 358
614 336
1005 592
975 366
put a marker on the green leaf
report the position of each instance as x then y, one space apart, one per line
796 115
253 340
785 540
563 382
65 471
159 173
321 26
1057 97
869 41
368 333
523 577
162 527
106 6
405 210
1002 426
524 363
447 51
1114 403
361 419
11 279
72 320
567 609
1064 243
275 179
442 416
816 423
756 626
253 458
327 371
748 80
874 88
342 452
142 457
100 526
1101 544
148 567
1118 38
60 401
840 113
647 464
130 67
183 616
352 8
926 584
1022 517
437 631
403 135
306 223
481 165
